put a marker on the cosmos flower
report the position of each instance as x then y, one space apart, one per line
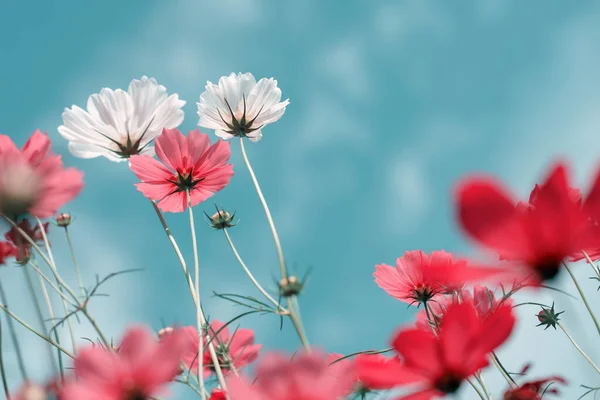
280 377
188 164
7 250
239 106
438 364
233 350
138 370
119 124
33 180
533 390
540 236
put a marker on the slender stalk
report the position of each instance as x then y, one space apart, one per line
292 302
592 263
488 393
64 303
77 271
2 370
13 334
296 321
578 348
199 312
40 316
254 281
481 395
43 277
503 370
587 305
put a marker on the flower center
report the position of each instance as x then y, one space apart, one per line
134 394
448 383
239 126
422 294
548 269
184 180
20 186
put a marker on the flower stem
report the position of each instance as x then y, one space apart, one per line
587 305
60 287
40 316
77 271
2 370
252 278
578 348
592 264
199 312
503 370
13 334
296 321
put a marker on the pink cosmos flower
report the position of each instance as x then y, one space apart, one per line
139 370
236 350
34 180
305 376
7 250
190 163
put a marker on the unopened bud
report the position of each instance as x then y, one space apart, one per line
290 286
221 220
63 219
19 186
548 317
165 331
23 255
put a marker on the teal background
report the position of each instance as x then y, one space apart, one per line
391 103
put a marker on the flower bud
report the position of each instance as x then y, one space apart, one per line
290 286
164 332
548 317
23 255
63 219
218 394
221 220
19 186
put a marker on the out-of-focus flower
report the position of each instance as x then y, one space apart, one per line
418 277
239 106
440 363
340 367
33 231
33 180
7 250
192 164
233 350
119 124
30 391
290 286
218 394
540 236
533 390
305 376
139 370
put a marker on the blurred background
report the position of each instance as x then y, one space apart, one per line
391 102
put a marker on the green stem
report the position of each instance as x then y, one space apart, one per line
587 305
578 348
77 271
13 334
2 370
503 370
296 320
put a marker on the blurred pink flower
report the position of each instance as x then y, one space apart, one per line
191 164
7 250
34 180
139 370
237 350
30 391
305 376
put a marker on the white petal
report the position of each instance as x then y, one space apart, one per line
223 135
272 114
264 95
255 136
113 108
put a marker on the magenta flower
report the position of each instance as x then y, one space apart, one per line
34 180
139 370
188 164
305 376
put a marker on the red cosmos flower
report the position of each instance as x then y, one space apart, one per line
7 250
34 232
33 179
417 276
305 376
540 235
440 363
218 394
533 390
139 370
236 350
191 164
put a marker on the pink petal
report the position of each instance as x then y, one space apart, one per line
36 148
171 148
137 346
176 202
198 144
216 156
378 373
147 169
156 191
420 350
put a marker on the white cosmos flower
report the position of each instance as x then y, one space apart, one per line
119 124
239 106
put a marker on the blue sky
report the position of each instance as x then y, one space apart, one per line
391 102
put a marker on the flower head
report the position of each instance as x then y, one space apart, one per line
305 376
239 106
233 350
440 363
418 277
538 236
533 390
63 219
221 219
548 317
191 164
33 180
139 370
119 124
